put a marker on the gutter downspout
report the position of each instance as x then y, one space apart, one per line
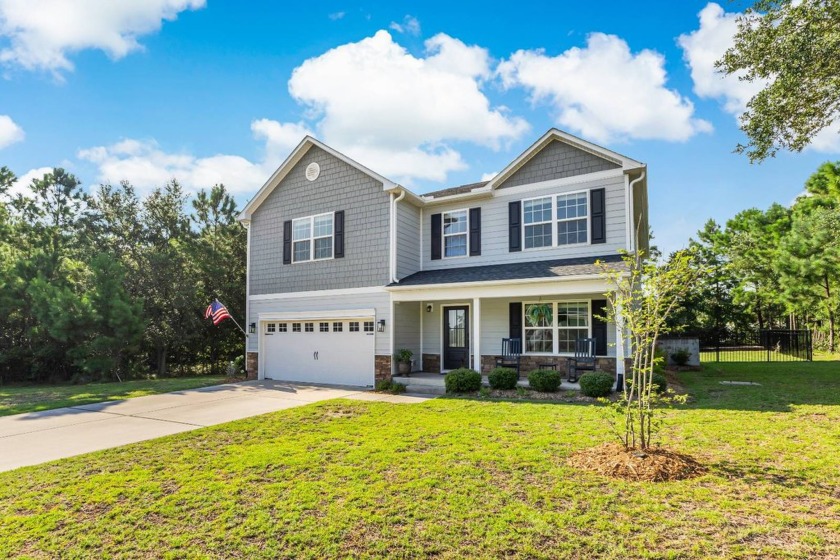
633 225
247 225
393 260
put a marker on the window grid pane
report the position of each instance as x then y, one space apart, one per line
323 225
566 339
301 250
324 327
538 236
455 222
309 327
295 327
324 248
571 232
301 229
537 211
282 327
354 326
455 245
368 326
269 327
338 327
539 340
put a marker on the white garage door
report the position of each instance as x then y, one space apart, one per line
333 351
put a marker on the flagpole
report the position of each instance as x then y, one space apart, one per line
237 324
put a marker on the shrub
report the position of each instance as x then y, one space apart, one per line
596 383
404 355
660 359
660 383
389 386
462 380
544 380
681 357
503 378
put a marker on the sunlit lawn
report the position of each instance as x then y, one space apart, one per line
454 478
15 399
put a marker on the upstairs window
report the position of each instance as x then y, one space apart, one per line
312 238
455 229
572 222
537 220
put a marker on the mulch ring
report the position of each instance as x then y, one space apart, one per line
652 465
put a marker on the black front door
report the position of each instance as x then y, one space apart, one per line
456 337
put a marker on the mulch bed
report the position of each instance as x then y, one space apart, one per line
652 465
531 395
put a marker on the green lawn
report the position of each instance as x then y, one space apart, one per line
454 478
15 399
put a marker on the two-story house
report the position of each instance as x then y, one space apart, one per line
345 267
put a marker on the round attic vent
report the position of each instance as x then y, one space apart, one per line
312 171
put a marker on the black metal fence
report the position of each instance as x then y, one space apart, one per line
756 346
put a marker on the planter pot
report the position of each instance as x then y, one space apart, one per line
403 368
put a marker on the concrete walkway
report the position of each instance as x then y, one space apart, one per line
37 437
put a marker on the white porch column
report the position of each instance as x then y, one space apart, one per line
476 336
619 348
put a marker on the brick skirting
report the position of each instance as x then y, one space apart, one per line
529 363
382 368
431 363
251 364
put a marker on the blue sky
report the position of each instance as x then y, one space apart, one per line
431 95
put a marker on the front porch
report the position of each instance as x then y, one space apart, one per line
433 383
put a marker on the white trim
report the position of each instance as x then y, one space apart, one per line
443 234
550 287
318 315
619 341
391 334
476 340
481 192
443 307
292 160
580 181
554 221
319 293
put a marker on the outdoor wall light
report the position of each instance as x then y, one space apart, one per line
252 328
429 308
381 325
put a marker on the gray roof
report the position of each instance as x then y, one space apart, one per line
557 268
455 190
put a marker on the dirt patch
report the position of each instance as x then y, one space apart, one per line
652 465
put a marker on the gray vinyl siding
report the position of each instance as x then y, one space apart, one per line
407 325
408 239
380 301
494 227
366 224
556 161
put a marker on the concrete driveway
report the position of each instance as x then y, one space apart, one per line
37 437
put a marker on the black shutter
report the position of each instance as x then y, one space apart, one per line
515 223
599 326
598 212
475 231
437 229
287 242
338 233
516 319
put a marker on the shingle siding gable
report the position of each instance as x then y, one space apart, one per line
339 187
556 161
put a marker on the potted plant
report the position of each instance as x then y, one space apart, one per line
404 356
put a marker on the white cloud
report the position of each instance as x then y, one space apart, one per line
42 33
707 44
335 16
605 92
21 185
146 165
398 113
410 26
489 176
703 47
10 131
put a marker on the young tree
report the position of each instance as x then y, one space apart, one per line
642 296
794 47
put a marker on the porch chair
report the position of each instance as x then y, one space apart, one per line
511 354
584 358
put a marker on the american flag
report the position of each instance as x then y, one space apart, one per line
217 311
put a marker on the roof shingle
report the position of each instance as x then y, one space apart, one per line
557 268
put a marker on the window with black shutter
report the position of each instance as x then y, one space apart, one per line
515 226
475 232
597 202
287 242
338 232
436 237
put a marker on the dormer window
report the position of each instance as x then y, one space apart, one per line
455 229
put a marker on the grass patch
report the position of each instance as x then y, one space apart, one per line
454 478
15 399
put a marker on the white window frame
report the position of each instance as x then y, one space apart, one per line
312 237
551 221
555 237
555 327
557 220
444 235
